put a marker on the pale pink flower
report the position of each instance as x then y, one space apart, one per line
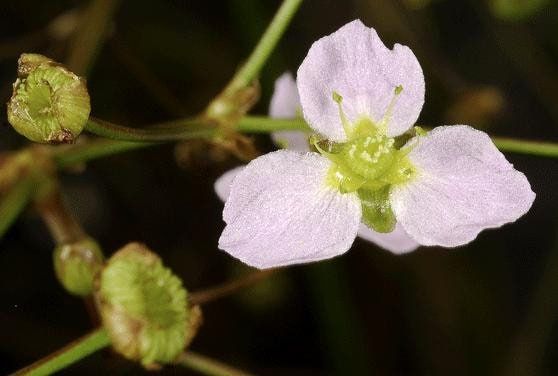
285 103
443 187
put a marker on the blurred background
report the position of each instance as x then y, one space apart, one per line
489 308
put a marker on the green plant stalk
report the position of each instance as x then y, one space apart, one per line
90 35
536 148
186 129
207 366
124 139
95 149
251 68
68 355
14 201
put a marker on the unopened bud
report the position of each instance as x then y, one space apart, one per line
76 265
49 104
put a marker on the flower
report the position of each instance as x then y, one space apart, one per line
442 187
285 103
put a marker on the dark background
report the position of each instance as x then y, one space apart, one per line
488 308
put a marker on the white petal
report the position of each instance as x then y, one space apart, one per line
222 185
292 140
397 241
280 212
464 185
355 63
285 102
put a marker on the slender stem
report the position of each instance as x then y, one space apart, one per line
226 289
61 223
186 129
14 201
262 124
207 366
89 36
178 130
251 68
533 338
68 355
95 149
539 148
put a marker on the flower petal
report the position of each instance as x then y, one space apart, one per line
292 140
397 241
355 63
464 185
280 212
285 102
222 185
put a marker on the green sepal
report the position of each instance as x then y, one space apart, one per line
376 209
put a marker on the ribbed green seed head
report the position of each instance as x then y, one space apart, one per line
144 306
49 103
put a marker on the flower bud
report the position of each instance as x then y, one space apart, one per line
144 307
76 265
49 104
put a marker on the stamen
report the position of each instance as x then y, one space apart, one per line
389 111
337 98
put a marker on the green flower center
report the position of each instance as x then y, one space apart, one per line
369 164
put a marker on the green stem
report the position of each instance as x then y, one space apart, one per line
67 157
68 355
15 201
539 148
62 225
251 68
181 130
185 129
207 366
262 124
125 139
89 37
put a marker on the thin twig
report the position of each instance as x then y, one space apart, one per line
67 355
87 41
208 366
62 225
229 288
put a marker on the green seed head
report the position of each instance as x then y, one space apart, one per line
49 103
144 307
77 264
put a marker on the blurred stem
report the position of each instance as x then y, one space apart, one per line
62 225
89 36
251 68
229 288
338 320
207 366
14 201
67 157
530 345
68 355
